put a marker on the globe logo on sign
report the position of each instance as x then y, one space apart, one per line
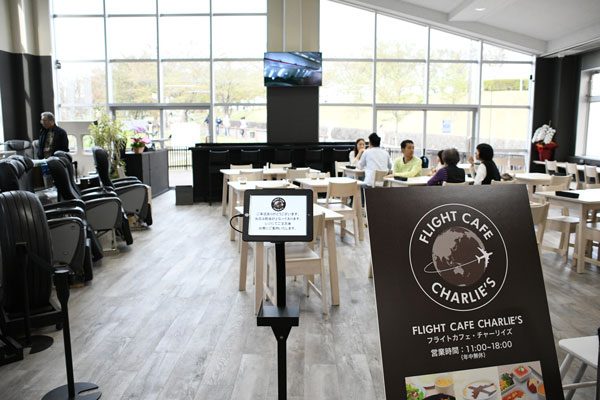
458 257
278 204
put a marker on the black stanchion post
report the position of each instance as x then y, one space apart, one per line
598 370
280 268
72 390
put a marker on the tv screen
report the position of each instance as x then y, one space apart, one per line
293 69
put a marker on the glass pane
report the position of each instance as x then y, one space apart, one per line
446 46
72 143
240 124
131 7
394 126
239 82
505 128
81 83
400 39
505 84
346 31
184 6
131 37
88 143
344 123
240 6
347 82
77 7
595 88
446 129
495 53
184 37
145 122
75 113
186 127
239 37
400 82
79 38
452 83
186 82
134 82
593 131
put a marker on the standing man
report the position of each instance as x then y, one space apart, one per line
407 166
374 159
52 137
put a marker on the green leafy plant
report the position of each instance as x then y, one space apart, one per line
108 133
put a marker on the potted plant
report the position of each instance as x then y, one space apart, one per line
138 143
544 143
107 133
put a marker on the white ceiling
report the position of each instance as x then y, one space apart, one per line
541 26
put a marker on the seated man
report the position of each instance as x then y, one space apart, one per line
374 159
408 165
52 137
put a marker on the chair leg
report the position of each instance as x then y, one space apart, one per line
243 265
324 296
355 227
371 268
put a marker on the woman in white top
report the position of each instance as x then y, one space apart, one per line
356 154
487 171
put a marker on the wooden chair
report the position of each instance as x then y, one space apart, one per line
240 166
336 200
574 173
455 184
551 167
591 174
379 175
591 234
306 259
539 214
251 175
272 185
339 167
284 166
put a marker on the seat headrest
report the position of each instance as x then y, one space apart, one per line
16 144
102 166
23 160
59 173
9 180
64 154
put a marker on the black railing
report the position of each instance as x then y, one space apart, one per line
179 158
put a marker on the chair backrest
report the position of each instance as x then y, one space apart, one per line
240 166
339 167
551 166
218 157
426 171
573 172
340 190
251 175
283 155
455 184
341 154
284 166
314 155
539 214
293 174
591 174
319 232
251 156
379 175
22 147
272 185
67 161
102 166
591 185
59 173
560 182
9 179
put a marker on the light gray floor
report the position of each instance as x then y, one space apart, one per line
165 320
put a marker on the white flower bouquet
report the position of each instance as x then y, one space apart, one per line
543 135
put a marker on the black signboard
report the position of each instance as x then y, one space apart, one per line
460 294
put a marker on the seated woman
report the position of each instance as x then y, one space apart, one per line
359 149
440 163
450 172
487 171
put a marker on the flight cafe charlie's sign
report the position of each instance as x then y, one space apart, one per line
468 257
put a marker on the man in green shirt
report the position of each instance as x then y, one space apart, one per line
408 165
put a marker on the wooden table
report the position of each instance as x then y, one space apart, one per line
259 258
321 185
353 173
416 181
585 349
589 199
533 179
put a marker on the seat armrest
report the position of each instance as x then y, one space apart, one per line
65 212
126 179
92 190
98 195
65 204
54 222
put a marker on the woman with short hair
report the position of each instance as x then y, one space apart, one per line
450 172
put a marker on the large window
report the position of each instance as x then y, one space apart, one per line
592 142
407 80
186 70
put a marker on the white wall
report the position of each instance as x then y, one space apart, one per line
25 26
293 25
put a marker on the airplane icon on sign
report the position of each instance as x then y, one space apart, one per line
484 256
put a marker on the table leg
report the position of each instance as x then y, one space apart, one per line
232 202
578 377
566 364
224 195
357 202
333 268
259 267
243 265
580 260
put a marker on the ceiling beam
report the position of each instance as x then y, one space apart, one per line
474 10
584 38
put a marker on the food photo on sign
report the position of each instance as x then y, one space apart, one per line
460 293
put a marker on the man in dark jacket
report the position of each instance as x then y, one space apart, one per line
52 137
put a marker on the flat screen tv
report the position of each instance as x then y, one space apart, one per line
293 69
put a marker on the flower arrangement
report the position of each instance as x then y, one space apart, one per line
543 135
139 141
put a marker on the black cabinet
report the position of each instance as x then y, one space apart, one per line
151 167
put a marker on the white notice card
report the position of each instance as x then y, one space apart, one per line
277 216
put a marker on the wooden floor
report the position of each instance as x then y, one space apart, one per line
165 320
